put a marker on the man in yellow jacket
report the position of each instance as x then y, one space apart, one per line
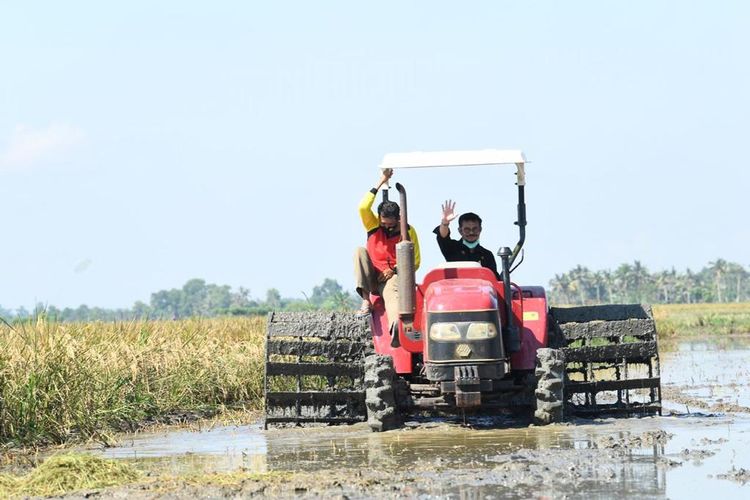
375 266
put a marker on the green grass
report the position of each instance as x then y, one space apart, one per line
66 473
674 320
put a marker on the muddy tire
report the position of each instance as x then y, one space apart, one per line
550 375
380 394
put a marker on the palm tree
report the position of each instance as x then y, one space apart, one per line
622 277
737 273
666 282
609 283
599 281
689 283
639 280
581 281
718 269
560 284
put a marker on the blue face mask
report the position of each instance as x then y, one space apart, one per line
470 245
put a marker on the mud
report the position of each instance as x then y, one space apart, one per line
324 325
700 446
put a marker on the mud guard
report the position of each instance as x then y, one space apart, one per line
382 339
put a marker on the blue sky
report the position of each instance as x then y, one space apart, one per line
145 144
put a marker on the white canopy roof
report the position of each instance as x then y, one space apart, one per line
453 158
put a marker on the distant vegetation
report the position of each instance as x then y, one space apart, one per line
718 282
199 299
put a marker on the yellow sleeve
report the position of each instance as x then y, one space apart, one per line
369 219
415 240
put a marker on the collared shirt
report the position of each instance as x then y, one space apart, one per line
455 251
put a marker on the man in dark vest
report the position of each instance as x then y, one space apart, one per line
468 247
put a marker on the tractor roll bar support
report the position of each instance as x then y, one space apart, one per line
521 222
511 333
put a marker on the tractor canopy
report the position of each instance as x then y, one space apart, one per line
470 158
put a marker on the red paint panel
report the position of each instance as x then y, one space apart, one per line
381 338
534 329
460 295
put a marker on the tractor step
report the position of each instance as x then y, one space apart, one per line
611 359
314 368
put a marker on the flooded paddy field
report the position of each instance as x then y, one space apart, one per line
700 446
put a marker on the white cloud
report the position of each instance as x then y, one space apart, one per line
82 266
28 146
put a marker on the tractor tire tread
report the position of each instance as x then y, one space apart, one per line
380 395
550 373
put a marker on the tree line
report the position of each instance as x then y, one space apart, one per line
719 281
196 298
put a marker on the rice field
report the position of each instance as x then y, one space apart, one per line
62 382
66 381
702 319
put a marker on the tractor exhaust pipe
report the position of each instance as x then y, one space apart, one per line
405 268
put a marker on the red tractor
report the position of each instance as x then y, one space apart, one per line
466 343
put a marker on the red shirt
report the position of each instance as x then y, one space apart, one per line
381 248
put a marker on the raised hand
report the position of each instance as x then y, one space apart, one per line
386 176
448 212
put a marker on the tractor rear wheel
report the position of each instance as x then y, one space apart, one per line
550 375
380 393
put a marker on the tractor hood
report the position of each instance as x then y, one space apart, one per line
460 294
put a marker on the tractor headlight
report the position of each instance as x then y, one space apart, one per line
478 331
444 332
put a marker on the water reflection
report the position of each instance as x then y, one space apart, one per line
569 455
673 456
713 371
185 452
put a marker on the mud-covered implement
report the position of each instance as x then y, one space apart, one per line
611 357
315 368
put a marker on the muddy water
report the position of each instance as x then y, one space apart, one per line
714 373
699 447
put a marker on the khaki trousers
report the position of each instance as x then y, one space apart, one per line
366 279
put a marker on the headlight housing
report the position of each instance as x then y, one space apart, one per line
479 331
451 332
445 332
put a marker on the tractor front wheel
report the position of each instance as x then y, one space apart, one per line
550 375
380 395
